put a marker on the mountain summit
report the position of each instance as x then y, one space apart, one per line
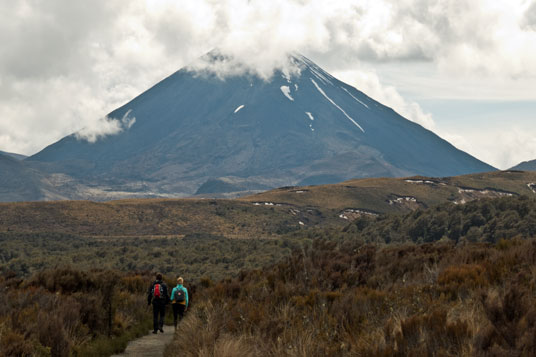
196 132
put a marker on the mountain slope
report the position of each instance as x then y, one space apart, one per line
18 182
13 155
25 181
246 133
525 166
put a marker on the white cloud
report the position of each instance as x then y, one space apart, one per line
224 64
369 83
501 149
105 127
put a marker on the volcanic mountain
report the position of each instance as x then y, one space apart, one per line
196 132
525 166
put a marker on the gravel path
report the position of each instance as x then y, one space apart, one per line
152 345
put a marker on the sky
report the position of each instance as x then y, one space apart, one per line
465 69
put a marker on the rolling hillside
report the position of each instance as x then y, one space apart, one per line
383 195
263 215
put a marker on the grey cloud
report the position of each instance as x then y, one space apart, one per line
529 20
49 38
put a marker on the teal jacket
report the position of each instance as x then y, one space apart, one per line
179 286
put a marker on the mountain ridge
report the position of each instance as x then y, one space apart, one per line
13 155
525 166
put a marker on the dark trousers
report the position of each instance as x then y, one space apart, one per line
158 309
178 310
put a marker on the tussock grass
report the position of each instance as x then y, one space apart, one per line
65 312
344 299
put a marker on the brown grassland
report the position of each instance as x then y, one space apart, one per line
277 212
342 299
374 194
66 312
469 291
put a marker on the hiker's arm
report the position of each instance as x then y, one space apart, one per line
149 295
186 296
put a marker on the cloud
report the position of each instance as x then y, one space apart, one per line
369 83
501 149
105 127
223 65
529 19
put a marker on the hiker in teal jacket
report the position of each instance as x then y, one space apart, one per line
179 300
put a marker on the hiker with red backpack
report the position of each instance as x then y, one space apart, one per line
158 295
179 300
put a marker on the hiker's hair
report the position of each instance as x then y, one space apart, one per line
158 276
180 280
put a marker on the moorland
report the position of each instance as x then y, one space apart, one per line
414 266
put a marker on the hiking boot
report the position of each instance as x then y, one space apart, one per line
155 331
161 330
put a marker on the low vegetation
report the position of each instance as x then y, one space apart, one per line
457 292
337 299
194 256
149 218
267 215
66 312
487 220
448 280
380 194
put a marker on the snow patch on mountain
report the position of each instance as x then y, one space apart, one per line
286 76
105 127
286 92
344 89
335 104
240 107
310 115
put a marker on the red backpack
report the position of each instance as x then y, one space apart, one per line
157 291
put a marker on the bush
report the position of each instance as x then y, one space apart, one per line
63 311
399 300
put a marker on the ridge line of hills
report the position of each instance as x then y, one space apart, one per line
266 214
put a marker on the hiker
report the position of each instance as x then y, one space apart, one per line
158 294
179 300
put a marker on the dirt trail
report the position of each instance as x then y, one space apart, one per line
152 345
